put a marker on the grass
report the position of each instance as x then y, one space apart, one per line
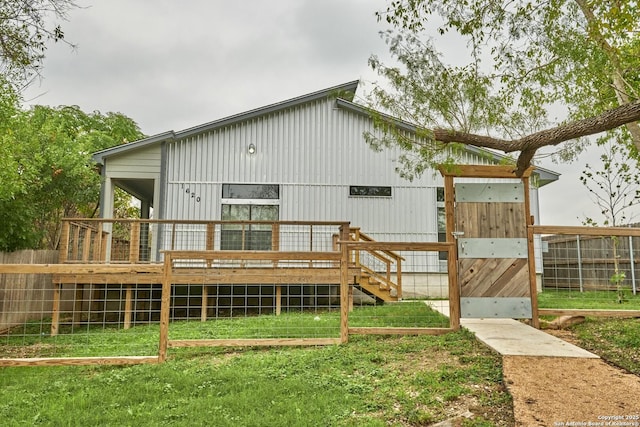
604 300
30 340
615 340
371 381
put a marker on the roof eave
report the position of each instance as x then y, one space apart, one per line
99 156
336 91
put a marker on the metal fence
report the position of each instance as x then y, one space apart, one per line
589 268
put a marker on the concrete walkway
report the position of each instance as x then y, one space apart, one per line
512 338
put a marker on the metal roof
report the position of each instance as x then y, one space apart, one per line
336 91
340 92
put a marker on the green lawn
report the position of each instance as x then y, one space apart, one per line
604 300
33 340
615 340
371 381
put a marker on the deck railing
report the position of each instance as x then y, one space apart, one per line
378 265
140 241
143 241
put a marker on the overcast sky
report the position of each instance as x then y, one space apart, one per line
170 65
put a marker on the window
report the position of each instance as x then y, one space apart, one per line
248 202
250 191
442 221
369 191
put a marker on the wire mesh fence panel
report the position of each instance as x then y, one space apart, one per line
590 272
270 295
396 288
72 320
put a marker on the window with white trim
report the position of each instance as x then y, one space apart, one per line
249 202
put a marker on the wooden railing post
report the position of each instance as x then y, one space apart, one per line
356 238
209 245
76 242
64 242
98 241
210 239
275 237
134 243
86 245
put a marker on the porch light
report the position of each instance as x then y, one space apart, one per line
252 148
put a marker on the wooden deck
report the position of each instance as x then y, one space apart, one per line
91 274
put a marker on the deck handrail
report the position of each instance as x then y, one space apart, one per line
137 241
386 256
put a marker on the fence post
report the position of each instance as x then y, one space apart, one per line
344 284
165 307
633 265
579 263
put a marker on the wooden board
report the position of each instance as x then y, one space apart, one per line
494 277
500 278
491 220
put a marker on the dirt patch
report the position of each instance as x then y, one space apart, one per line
553 391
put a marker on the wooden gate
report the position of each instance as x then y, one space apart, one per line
496 271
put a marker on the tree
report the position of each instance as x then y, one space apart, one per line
615 187
25 31
523 58
50 171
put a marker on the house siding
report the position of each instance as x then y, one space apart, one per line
142 163
311 146
314 151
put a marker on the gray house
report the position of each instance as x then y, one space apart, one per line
303 159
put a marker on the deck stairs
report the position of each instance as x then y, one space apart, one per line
381 271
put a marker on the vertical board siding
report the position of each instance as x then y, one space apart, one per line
314 151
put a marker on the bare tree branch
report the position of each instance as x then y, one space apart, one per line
528 145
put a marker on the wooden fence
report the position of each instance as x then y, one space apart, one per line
588 262
17 304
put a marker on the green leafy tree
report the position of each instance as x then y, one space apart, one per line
522 57
25 29
52 172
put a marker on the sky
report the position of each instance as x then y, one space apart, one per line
171 65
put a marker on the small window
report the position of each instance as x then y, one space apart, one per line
250 191
369 191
